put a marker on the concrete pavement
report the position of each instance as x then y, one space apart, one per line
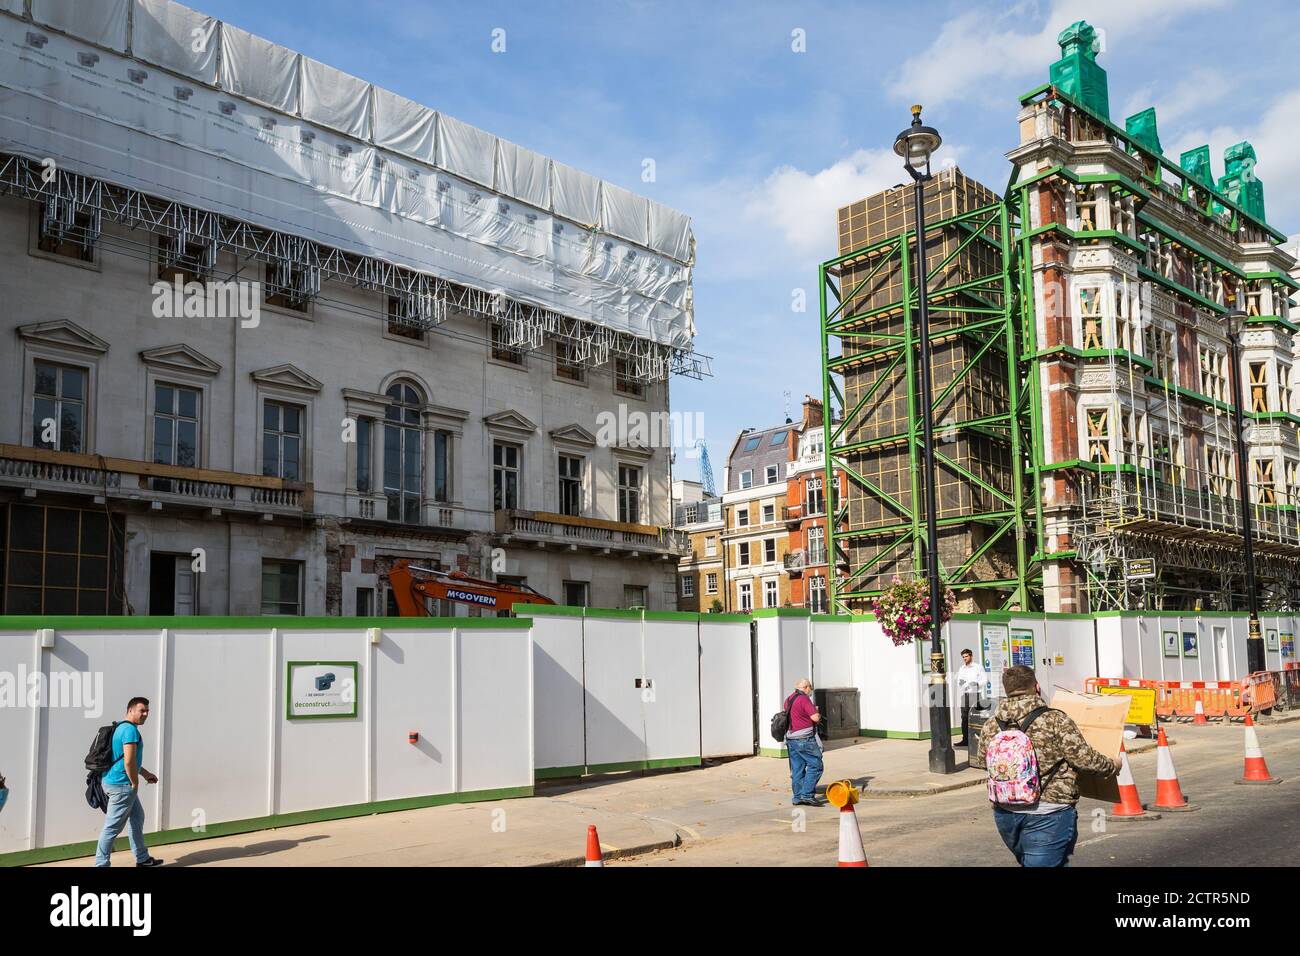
728 807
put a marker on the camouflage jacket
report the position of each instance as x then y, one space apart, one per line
1056 739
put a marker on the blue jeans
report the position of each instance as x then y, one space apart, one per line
124 809
805 766
1039 839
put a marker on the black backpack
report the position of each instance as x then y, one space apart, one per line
781 720
100 757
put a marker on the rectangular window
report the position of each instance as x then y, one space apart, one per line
402 320
403 455
769 514
56 560
576 593
1090 314
817 545
772 473
365 602
816 496
769 550
570 485
634 595
746 479
282 440
59 407
442 466
770 598
289 287
629 494
364 438
1099 435
711 583
191 264
503 352
710 544
175 429
688 586
746 591
1265 490
742 553
1258 386
625 380
282 588
817 595
72 238
505 476
742 516
567 365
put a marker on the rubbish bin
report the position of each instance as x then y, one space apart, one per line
840 708
979 715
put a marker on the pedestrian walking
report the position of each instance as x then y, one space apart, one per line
804 745
121 783
970 681
1033 754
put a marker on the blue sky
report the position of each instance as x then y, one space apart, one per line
760 143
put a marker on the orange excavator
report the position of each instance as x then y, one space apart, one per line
411 585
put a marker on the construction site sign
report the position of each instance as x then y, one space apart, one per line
1139 569
1142 703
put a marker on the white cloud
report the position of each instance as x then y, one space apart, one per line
1273 136
801 206
1202 88
979 46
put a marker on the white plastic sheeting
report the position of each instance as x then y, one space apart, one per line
176 38
623 213
335 99
405 126
494 217
466 150
575 195
12 6
103 22
259 69
523 174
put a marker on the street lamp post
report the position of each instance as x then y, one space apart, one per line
1236 321
916 144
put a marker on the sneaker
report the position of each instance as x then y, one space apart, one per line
150 861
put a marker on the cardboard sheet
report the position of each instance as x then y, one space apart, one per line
1101 721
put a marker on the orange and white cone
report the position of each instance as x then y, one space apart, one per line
843 794
1256 770
1130 804
594 857
1169 795
1199 717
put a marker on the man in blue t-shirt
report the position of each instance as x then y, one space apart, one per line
121 784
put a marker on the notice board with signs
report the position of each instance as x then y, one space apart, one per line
1022 647
1288 645
1190 648
1142 703
995 642
1271 641
1171 643
320 689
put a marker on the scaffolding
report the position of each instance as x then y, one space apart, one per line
75 207
868 298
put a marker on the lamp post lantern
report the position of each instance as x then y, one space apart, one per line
1236 321
915 145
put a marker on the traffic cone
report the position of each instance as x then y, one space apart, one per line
843 795
1169 795
1199 717
593 848
1256 770
1130 804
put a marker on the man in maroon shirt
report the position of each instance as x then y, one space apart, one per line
803 746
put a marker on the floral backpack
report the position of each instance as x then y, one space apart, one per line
1012 764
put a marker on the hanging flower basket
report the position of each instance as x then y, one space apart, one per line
903 610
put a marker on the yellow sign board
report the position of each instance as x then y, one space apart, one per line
1142 703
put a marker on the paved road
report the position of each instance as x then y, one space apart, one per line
1236 825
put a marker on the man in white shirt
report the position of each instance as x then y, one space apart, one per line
969 681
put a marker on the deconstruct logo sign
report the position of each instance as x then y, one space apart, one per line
487 600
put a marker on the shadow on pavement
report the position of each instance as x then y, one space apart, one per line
241 852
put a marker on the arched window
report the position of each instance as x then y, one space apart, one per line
403 459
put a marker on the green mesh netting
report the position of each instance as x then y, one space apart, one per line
1076 73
